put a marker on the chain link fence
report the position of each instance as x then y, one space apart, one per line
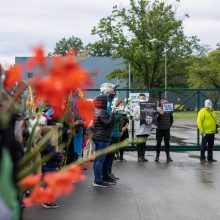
187 102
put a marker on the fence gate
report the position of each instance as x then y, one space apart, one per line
187 103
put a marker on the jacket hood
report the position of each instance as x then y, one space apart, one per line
101 102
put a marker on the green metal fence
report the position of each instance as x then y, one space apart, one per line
187 102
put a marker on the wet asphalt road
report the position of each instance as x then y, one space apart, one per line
182 190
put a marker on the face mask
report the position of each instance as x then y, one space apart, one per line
121 108
111 96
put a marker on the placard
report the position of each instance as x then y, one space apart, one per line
134 99
148 113
168 107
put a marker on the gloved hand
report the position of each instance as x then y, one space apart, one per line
49 112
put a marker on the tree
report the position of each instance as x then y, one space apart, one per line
130 31
204 70
100 48
64 46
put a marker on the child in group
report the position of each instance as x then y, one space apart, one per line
88 145
52 165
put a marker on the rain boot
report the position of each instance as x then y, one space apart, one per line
157 158
169 159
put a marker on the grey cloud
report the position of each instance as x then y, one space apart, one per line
29 22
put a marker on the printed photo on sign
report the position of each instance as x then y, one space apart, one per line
168 107
134 96
148 113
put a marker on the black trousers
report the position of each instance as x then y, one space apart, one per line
160 135
141 146
107 165
207 142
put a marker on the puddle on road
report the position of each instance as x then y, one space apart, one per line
206 178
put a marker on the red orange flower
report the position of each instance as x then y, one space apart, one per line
85 109
63 75
40 195
38 59
30 181
13 75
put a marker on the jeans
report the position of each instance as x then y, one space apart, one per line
107 165
207 140
160 135
98 163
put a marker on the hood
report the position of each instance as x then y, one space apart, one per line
101 102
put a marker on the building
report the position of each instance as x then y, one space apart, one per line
101 65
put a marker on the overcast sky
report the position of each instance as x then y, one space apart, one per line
26 23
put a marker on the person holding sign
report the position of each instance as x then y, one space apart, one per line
164 122
143 124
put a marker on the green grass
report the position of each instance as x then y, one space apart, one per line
190 114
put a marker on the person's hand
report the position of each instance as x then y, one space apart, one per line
76 123
113 109
160 111
60 125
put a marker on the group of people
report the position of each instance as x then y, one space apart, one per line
105 124
107 131
110 125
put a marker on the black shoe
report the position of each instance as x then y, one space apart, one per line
109 180
100 184
157 159
169 160
212 161
202 160
50 205
122 160
144 159
113 176
139 159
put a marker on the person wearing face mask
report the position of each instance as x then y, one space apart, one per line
124 122
108 89
164 122
141 131
103 127
207 123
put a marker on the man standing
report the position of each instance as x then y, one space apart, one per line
164 122
207 123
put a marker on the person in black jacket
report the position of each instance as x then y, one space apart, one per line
103 126
164 122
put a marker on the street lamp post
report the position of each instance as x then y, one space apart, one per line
154 40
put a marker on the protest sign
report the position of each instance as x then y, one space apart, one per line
148 113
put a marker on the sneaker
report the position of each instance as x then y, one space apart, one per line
109 180
100 184
113 176
50 205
